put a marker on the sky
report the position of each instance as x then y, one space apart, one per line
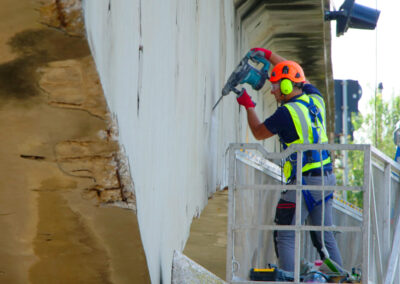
370 56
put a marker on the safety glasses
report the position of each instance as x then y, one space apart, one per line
275 86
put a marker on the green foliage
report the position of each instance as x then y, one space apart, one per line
375 127
383 122
355 163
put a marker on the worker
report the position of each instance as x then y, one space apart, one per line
299 120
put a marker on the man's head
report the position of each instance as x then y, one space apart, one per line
287 79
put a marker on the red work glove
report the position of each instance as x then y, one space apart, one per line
267 53
245 100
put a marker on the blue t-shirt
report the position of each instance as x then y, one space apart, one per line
281 122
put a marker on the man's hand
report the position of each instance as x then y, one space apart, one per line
245 100
267 53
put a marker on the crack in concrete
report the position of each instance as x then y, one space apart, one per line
32 157
64 104
91 157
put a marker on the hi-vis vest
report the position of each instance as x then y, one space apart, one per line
308 115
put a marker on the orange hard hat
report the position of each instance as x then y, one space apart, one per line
287 70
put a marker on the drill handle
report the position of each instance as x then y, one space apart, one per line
237 92
258 57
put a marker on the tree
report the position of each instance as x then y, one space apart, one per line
386 115
375 127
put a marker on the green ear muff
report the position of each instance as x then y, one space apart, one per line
286 86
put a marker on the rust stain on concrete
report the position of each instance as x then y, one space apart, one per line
63 14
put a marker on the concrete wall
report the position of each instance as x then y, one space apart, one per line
162 65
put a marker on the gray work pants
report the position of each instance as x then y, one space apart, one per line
285 239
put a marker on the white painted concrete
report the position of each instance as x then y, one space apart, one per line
162 65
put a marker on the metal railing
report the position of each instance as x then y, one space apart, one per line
254 188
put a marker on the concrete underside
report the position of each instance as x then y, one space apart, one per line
57 170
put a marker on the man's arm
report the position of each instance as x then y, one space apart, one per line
275 59
259 130
270 56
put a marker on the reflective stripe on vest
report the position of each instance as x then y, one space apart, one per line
305 128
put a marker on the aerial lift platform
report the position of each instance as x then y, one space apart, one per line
369 238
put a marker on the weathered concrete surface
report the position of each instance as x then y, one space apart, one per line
74 84
57 141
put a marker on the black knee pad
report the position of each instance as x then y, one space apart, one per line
283 216
284 212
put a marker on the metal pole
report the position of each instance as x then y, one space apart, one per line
386 206
366 214
297 245
345 134
231 185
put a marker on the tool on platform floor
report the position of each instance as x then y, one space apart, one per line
270 274
320 272
246 73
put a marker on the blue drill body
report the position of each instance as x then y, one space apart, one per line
245 73
254 77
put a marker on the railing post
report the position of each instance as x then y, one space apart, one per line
387 191
394 257
376 232
231 184
299 183
366 214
